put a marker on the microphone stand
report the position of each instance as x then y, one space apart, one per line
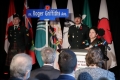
105 53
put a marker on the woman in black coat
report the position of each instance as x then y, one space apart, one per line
94 41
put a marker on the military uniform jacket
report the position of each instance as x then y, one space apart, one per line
77 35
20 36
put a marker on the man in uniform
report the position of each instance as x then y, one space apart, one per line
77 33
18 37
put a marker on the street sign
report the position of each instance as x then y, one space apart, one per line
48 13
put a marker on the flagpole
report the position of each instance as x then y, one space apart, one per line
46 21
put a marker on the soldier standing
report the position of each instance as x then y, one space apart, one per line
77 33
18 37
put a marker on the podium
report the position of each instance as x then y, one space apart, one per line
80 54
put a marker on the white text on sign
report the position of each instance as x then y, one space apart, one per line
48 13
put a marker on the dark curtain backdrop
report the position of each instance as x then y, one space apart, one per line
113 10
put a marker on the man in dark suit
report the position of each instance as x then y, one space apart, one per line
18 37
67 62
77 33
47 71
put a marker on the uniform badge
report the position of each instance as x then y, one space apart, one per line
27 34
73 36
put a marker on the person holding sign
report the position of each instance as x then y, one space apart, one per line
77 33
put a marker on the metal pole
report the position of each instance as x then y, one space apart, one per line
106 55
46 21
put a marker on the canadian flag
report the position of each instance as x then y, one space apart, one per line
11 12
104 24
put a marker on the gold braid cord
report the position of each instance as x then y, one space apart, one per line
57 42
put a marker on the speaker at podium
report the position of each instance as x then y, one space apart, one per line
80 54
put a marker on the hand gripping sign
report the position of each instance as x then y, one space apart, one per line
47 14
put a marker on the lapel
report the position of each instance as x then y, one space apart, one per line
12 28
94 42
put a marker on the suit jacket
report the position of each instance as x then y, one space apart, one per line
14 78
20 36
77 36
47 71
65 77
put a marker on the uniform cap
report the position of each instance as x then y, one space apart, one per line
16 15
78 15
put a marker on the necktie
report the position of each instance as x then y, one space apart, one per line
15 27
77 27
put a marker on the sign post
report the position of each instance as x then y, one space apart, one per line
46 21
47 14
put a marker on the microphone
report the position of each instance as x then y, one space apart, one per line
101 32
96 45
104 42
85 42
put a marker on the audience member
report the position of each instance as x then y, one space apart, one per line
48 56
20 67
84 76
94 61
67 62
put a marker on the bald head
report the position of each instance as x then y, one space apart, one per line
20 64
